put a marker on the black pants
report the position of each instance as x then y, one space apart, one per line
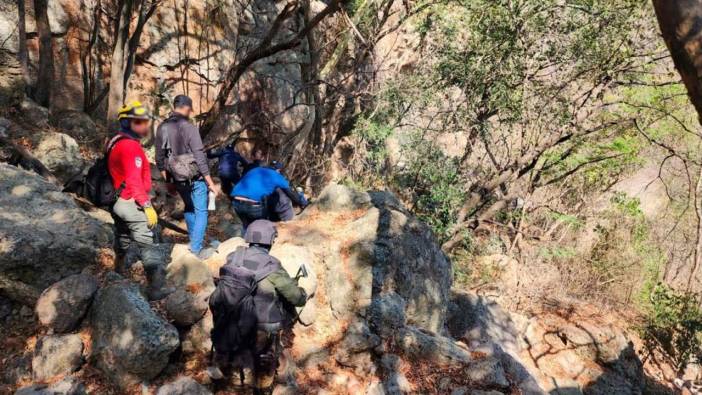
248 212
279 206
227 183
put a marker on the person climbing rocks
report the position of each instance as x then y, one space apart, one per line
133 214
181 159
252 193
253 304
279 205
230 161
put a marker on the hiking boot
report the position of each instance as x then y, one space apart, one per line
157 287
206 253
121 264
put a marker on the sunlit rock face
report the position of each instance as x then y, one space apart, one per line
44 236
186 49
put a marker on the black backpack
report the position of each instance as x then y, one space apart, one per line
232 304
97 185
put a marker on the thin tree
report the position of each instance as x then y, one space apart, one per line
124 49
22 56
263 50
45 75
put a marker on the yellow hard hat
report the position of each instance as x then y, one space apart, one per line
133 110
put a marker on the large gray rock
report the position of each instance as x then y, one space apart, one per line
190 272
186 308
380 249
130 342
60 153
183 386
197 340
436 349
336 197
68 386
17 368
34 114
76 124
46 237
55 355
386 314
63 305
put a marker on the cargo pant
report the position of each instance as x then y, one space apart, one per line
131 227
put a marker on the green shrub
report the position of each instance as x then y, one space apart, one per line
674 325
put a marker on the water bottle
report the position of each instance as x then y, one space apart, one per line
211 201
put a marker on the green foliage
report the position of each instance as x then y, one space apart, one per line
373 134
435 179
568 219
674 325
557 253
628 206
626 255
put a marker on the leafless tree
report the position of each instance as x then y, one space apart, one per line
45 75
267 47
125 47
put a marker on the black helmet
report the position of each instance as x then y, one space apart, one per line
261 231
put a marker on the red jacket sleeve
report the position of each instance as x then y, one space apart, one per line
133 161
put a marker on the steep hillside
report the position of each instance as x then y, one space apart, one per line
383 319
535 224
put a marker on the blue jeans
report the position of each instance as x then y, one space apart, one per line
248 213
195 197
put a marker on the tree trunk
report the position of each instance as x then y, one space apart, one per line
22 56
116 95
45 76
682 32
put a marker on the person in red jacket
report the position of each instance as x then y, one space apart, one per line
133 214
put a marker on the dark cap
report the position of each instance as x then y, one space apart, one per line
181 101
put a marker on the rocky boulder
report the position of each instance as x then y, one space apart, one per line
33 113
183 386
378 278
197 339
68 386
583 351
63 305
369 245
46 236
130 342
187 271
76 124
60 154
56 355
186 308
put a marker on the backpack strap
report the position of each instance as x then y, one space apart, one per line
237 259
166 146
238 256
111 145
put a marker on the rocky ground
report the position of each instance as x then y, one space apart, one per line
384 319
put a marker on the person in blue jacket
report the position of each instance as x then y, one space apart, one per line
228 167
280 207
252 193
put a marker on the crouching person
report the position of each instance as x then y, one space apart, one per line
253 303
133 214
